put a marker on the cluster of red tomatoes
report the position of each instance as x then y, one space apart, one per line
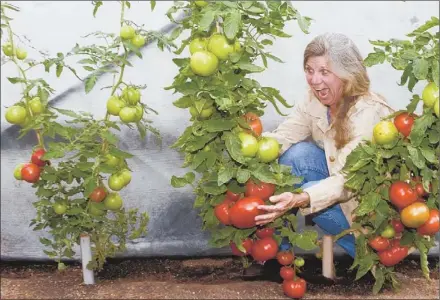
30 172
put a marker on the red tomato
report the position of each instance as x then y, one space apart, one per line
265 232
420 190
287 273
379 243
404 123
401 194
393 255
30 172
415 215
295 288
262 190
254 123
36 157
221 211
232 196
98 194
264 249
432 226
397 225
247 245
285 257
242 214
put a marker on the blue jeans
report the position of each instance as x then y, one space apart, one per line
308 161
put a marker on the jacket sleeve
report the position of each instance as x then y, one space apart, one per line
331 190
296 127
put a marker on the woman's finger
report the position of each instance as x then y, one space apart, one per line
265 216
281 197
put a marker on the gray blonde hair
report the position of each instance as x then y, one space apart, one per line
346 62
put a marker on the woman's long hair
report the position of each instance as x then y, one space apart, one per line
346 62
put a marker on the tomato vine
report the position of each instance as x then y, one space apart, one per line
396 175
72 160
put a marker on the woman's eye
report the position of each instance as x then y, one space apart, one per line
325 72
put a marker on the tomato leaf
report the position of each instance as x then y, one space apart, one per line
179 182
307 240
263 173
423 258
419 128
365 265
368 204
374 58
232 24
250 67
243 175
90 83
416 157
218 125
233 144
420 69
225 174
411 107
206 20
380 280
212 188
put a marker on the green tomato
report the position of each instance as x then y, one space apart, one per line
17 171
388 232
126 175
114 105
436 107
116 182
249 144
430 94
219 46
113 201
36 106
59 208
128 114
299 262
237 46
198 44
16 115
21 53
111 160
139 112
7 49
204 114
201 3
127 32
385 132
203 63
97 209
268 149
138 41
131 95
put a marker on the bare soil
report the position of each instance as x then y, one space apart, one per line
203 278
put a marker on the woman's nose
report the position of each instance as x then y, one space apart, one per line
316 79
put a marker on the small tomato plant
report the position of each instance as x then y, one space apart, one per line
77 168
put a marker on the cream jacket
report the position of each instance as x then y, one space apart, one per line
309 121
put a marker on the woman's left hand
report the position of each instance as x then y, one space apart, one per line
284 202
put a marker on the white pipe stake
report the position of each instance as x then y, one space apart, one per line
327 257
86 257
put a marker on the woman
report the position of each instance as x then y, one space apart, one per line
317 137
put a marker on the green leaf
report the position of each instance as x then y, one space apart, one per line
420 69
416 157
365 264
15 80
178 182
97 5
206 21
90 83
218 125
429 154
176 33
380 280
119 153
232 24
263 173
233 144
183 102
420 127
409 54
250 67
152 4
435 70
59 70
368 204
225 175
405 74
273 57
307 240
303 22
428 24
374 58
423 258
213 188
412 106
243 175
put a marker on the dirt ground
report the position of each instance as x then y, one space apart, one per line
206 278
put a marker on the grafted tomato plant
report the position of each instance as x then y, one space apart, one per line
69 172
384 176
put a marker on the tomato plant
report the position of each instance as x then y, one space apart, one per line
383 172
69 172
224 43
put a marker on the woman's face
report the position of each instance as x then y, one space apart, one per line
326 86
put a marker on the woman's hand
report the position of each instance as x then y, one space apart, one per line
284 202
